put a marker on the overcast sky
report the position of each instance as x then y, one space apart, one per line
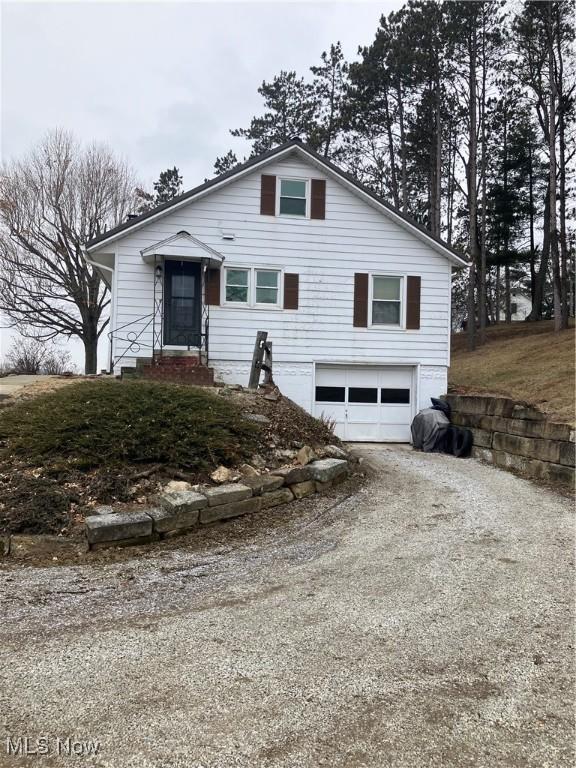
160 82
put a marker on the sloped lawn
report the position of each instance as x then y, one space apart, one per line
110 441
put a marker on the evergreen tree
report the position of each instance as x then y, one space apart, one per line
225 163
168 186
291 111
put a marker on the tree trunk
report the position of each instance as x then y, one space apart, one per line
554 254
540 282
564 277
404 176
90 342
391 152
532 242
498 293
508 310
482 285
472 197
436 180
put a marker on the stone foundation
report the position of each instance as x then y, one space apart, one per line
517 437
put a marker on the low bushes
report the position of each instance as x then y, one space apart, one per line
103 424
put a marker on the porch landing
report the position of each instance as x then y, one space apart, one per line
180 369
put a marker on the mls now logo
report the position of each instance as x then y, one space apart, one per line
24 746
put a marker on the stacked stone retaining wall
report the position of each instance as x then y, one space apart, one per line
517 437
175 513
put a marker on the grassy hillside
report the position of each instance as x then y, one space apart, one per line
526 361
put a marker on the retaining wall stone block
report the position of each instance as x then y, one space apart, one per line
568 454
264 483
181 501
165 520
225 511
300 490
275 498
227 494
294 475
482 438
118 526
327 469
532 448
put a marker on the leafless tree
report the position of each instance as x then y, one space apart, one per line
51 202
33 356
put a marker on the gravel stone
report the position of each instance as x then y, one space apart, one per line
423 619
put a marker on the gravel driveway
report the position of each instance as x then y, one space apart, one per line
424 619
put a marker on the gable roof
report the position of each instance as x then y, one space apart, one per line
295 145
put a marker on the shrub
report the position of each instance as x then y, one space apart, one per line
104 424
32 356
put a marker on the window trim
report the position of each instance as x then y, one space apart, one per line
279 180
251 303
225 281
265 304
401 326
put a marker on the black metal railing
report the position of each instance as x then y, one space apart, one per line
135 339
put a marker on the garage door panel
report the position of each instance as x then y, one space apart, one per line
395 378
362 413
395 415
394 433
330 377
362 431
375 403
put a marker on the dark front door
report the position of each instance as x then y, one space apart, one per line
182 303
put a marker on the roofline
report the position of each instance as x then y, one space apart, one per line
252 164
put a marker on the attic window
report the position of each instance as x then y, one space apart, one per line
293 195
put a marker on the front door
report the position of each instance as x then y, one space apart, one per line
182 303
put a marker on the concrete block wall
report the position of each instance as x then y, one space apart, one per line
517 437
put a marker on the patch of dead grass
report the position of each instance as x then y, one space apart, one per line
525 361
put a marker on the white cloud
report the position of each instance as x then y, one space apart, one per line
161 82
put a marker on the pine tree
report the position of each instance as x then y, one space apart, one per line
291 111
168 186
225 163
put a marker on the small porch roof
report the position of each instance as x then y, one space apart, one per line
184 246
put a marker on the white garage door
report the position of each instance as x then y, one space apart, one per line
367 403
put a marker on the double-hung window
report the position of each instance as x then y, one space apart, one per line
293 197
251 287
238 285
386 300
267 286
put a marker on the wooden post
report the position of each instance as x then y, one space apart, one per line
268 364
257 358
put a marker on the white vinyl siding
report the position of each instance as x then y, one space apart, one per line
325 254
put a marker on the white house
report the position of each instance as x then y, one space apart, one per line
354 296
520 306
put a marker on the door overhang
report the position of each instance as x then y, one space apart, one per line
182 246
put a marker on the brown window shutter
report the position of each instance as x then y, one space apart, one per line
360 300
318 199
268 195
413 303
213 287
291 284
